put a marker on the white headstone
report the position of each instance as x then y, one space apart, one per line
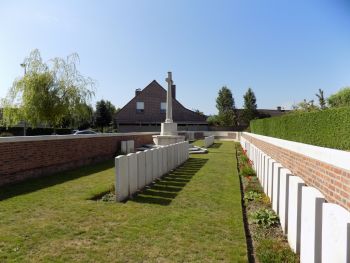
124 149
253 157
169 157
258 163
267 174
132 161
154 164
178 153
261 169
160 162
122 177
130 146
141 170
335 234
165 159
184 151
294 212
187 150
284 196
271 163
173 164
276 187
311 225
149 169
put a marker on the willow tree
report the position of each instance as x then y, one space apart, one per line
48 92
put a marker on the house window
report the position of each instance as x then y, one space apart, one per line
163 107
140 106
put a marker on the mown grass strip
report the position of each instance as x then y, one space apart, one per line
191 215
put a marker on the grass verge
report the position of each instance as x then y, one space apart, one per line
192 215
269 244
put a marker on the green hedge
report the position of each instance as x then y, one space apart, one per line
327 128
18 131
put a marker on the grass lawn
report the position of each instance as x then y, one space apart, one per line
191 215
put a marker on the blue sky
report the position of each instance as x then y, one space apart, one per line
284 50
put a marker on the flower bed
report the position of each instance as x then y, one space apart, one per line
268 243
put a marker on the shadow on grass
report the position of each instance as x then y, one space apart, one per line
35 184
164 190
216 145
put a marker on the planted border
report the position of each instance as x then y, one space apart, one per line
269 244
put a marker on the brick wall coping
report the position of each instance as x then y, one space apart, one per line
209 133
67 137
334 157
70 136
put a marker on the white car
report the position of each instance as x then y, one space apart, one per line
84 132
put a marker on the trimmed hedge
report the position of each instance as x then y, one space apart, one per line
328 128
18 131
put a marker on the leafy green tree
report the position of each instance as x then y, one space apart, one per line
250 108
104 114
213 120
47 93
321 99
340 99
226 106
199 112
82 118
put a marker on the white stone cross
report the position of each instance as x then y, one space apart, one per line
169 100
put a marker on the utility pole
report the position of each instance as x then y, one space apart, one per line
23 65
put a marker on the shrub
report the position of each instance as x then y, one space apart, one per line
340 99
5 134
252 196
274 251
247 171
327 128
109 197
265 218
244 159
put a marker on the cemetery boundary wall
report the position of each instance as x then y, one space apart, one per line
36 156
326 169
27 157
307 186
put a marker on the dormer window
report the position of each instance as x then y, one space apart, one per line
162 107
140 107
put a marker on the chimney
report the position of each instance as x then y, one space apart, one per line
173 91
279 108
137 92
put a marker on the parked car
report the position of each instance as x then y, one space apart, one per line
84 132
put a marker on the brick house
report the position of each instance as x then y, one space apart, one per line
146 111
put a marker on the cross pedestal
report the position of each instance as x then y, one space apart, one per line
168 134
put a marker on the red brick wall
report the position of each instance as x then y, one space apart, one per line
25 159
332 181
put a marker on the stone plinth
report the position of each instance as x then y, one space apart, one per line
168 128
167 139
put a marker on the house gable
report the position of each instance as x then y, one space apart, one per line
152 96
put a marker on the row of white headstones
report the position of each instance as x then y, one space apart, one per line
136 170
317 230
208 141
